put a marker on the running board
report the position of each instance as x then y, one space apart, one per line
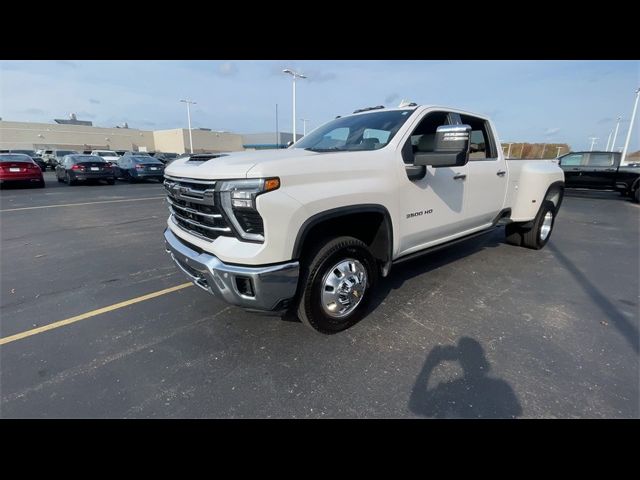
435 248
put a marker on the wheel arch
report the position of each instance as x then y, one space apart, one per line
370 223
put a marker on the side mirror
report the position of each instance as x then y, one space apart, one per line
451 148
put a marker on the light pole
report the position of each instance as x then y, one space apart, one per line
294 75
609 140
558 152
633 117
189 103
508 150
544 146
615 135
304 126
593 142
522 151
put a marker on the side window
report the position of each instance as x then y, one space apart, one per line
600 160
423 136
574 159
482 146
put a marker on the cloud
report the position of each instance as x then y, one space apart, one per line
319 77
227 69
391 98
550 132
67 63
94 101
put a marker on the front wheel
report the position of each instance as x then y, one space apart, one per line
336 285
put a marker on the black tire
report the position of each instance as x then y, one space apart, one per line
111 182
532 238
40 184
636 195
131 179
310 310
513 234
69 181
59 179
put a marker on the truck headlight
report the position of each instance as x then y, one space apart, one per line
238 200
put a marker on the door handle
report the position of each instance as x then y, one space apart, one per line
460 176
501 173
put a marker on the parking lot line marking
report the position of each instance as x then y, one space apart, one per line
92 313
77 204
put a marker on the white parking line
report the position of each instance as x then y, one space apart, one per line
78 204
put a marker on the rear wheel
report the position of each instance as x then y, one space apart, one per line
69 180
537 236
40 184
336 285
112 181
636 195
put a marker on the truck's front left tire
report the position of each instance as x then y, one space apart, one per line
336 285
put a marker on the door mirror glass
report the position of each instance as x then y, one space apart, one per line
451 148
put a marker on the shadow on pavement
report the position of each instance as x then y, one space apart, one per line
475 395
622 323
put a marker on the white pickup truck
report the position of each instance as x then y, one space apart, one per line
310 228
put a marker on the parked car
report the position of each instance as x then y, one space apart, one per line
107 155
130 153
601 171
54 157
120 152
84 168
34 156
17 168
165 158
309 229
134 168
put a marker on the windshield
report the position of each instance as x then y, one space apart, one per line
86 158
26 152
145 160
14 158
369 131
105 153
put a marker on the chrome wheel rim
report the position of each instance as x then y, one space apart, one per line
547 222
343 287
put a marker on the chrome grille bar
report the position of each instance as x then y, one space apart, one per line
192 211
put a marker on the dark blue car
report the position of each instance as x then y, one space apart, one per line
134 168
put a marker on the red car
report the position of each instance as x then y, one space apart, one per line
16 168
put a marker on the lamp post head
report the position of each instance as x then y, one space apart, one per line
293 74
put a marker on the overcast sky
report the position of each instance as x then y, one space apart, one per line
535 101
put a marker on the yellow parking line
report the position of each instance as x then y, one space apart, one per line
93 313
77 204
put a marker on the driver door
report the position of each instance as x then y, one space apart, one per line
432 200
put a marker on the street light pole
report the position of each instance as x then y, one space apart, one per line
633 117
593 141
294 75
609 140
558 152
189 103
544 146
304 126
615 135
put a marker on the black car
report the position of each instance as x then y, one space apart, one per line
83 168
134 168
600 171
34 156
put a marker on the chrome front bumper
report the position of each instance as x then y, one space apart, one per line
266 289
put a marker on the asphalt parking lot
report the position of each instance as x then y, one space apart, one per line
481 329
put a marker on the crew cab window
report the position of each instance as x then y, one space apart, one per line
574 159
600 160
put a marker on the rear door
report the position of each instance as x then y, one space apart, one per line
599 172
488 177
572 166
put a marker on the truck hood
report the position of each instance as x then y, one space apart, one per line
231 165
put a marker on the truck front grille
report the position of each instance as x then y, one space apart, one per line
193 207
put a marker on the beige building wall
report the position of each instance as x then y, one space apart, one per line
177 140
29 135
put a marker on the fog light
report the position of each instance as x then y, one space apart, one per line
245 286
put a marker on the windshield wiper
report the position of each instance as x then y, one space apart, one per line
332 149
